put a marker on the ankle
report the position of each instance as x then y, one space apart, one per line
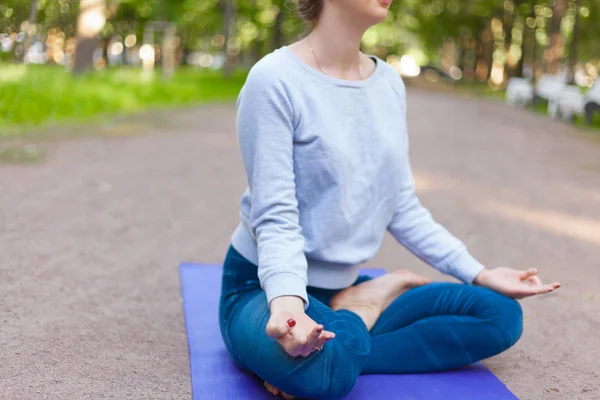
366 313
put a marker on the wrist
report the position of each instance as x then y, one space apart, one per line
293 304
481 277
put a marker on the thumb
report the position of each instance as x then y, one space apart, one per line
526 274
276 328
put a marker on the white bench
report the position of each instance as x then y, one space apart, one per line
548 85
570 102
567 103
519 92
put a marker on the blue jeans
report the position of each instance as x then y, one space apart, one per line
435 327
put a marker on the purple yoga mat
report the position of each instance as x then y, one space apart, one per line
215 377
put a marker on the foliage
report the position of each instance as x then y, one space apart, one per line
59 96
261 24
51 13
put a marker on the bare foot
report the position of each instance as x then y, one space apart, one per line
274 391
369 299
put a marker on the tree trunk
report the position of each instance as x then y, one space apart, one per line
534 55
277 32
484 53
462 51
573 47
91 20
105 43
469 58
168 52
555 52
31 20
229 17
518 72
528 43
509 23
488 50
477 59
257 51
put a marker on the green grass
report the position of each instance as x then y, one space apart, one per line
35 95
481 89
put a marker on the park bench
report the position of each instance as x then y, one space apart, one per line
570 102
548 86
519 92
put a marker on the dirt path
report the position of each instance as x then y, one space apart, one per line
91 237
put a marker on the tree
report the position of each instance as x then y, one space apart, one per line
573 53
229 18
92 17
555 52
30 28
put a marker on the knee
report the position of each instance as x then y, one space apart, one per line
339 364
510 321
342 371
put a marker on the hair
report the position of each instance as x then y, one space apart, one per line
309 10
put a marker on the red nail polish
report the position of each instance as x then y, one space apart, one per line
291 322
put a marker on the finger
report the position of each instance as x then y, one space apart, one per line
545 289
533 290
555 285
297 345
324 338
277 328
534 280
312 338
293 343
526 274
525 292
320 341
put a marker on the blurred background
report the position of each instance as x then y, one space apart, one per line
92 230
129 55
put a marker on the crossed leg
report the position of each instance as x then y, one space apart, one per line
442 326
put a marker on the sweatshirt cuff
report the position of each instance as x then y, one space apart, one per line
465 267
285 284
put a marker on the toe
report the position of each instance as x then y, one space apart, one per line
272 389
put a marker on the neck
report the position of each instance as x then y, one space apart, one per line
337 42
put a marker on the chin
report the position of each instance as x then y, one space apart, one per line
377 17
378 13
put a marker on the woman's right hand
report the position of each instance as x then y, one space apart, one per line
295 331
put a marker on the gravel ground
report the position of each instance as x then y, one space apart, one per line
91 238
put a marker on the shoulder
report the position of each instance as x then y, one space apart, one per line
273 73
393 78
269 88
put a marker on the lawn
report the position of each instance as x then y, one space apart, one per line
34 95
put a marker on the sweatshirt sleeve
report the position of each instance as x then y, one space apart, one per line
265 126
413 226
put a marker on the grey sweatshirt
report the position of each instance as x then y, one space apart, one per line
328 173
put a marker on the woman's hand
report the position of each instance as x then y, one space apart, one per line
295 331
514 283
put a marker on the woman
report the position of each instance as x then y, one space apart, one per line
322 131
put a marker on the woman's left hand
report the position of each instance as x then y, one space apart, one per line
514 283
